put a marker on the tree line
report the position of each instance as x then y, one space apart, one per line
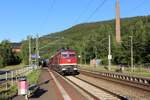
7 56
91 41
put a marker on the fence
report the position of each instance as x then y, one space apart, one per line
9 78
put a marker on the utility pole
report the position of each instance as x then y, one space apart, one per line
118 33
80 56
29 50
84 52
37 50
131 40
95 52
109 53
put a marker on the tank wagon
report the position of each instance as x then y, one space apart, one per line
65 62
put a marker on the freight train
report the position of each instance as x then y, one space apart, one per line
65 62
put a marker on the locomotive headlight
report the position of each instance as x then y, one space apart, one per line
63 69
75 68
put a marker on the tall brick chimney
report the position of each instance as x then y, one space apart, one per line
118 33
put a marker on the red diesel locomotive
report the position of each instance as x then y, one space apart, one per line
65 62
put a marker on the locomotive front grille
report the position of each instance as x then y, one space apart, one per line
70 69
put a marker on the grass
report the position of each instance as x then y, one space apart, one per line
32 78
138 71
4 95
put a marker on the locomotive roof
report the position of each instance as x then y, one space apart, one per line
64 50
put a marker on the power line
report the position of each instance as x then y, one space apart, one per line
137 6
99 6
50 8
52 4
46 18
82 13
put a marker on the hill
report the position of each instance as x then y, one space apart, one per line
91 40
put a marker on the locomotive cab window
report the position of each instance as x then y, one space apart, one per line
72 55
64 55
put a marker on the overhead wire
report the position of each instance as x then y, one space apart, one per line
83 12
52 4
46 18
137 6
96 9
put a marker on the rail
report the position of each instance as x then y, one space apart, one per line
102 91
139 82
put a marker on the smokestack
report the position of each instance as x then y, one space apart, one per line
118 33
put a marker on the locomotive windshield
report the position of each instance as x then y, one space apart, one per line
65 55
72 55
68 54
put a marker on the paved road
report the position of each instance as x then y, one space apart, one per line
47 91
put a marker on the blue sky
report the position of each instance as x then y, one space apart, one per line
20 18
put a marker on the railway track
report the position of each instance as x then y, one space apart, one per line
94 91
131 90
100 87
136 82
90 91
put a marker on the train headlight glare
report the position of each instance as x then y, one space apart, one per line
63 69
75 69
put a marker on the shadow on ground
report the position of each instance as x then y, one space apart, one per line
38 93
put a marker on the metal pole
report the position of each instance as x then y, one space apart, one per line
131 53
80 57
16 75
109 54
12 78
6 80
29 50
95 52
95 55
37 50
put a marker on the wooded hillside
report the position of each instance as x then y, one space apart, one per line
91 41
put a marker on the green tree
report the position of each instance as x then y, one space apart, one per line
25 52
